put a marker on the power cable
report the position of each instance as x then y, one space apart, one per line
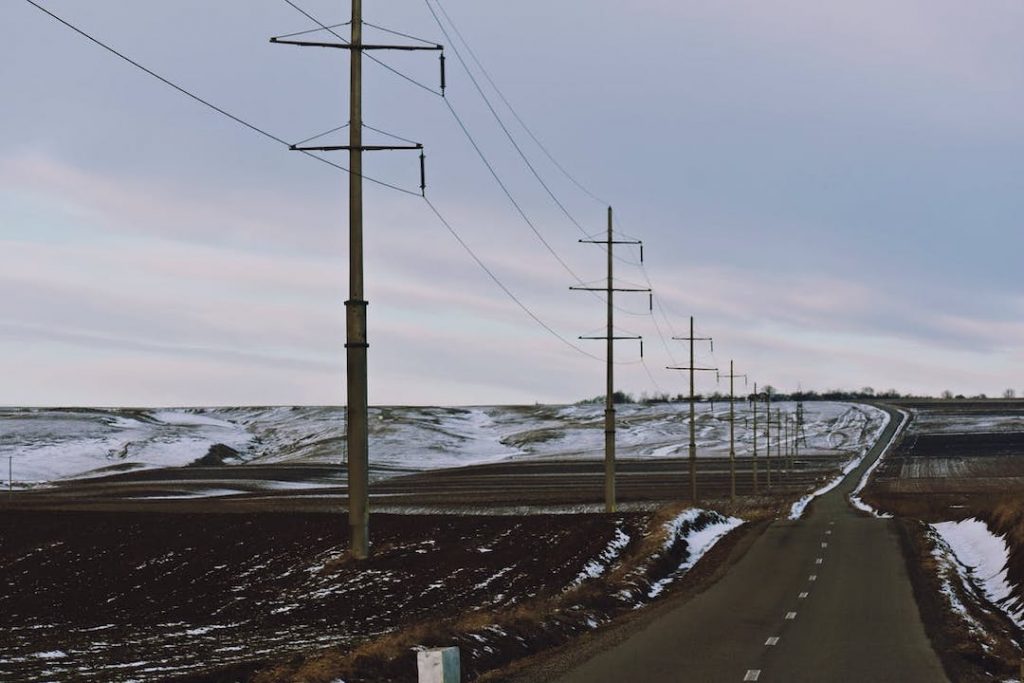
205 102
512 109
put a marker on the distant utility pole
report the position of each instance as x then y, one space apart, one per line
768 433
693 422
787 446
609 392
732 431
356 425
754 458
778 437
796 440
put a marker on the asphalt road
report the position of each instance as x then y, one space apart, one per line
823 598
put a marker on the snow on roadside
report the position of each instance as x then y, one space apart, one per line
947 566
600 564
982 557
699 539
800 506
855 499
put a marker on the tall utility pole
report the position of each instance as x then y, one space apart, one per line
753 405
610 337
693 421
356 422
732 431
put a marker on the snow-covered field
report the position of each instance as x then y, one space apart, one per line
49 444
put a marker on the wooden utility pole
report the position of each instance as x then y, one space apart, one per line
693 421
356 345
610 337
732 431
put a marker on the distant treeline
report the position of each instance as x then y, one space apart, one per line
866 393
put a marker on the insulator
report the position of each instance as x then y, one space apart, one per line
443 83
423 174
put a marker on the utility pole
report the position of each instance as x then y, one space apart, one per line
796 440
693 423
732 431
768 433
753 405
778 438
610 337
356 422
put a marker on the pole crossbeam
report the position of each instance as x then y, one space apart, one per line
364 148
355 46
356 345
610 504
610 289
692 368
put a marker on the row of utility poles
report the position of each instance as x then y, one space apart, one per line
356 343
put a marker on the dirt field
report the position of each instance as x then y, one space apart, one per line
141 596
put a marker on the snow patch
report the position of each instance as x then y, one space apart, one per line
984 557
599 565
698 541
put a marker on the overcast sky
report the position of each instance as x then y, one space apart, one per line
834 190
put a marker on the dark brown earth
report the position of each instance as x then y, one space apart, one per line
145 595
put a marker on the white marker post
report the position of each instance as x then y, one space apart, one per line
439 665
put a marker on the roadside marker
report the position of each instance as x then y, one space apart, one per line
752 675
812 577
803 595
774 640
790 616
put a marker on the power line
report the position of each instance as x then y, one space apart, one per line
203 101
508 292
504 188
281 141
512 109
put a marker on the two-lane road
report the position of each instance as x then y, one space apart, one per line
823 598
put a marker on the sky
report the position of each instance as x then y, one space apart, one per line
833 190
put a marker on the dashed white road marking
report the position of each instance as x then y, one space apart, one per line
803 596
819 560
790 616
824 544
774 640
828 532
812 577
752 675
831 523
